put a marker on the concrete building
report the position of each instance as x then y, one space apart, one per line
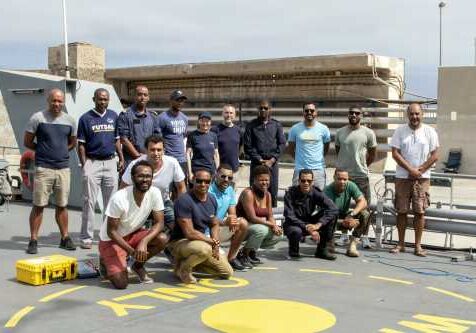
457 114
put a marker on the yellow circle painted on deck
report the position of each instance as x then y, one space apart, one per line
267 316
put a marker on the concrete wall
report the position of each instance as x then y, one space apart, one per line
456 121
6 130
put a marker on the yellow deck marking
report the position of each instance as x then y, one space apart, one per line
60 293
324 271
254 316
389 279
265 268
232 282
120 309
452 294
389 330
13 321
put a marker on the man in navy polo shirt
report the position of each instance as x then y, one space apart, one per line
55 134
98 141
230 138
136 124
173 125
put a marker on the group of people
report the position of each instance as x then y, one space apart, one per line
176 189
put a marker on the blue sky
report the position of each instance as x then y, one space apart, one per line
156 32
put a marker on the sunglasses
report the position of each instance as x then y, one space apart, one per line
309 110
225 177
202 181
265 108
306 181
351 113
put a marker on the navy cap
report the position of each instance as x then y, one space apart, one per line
177 94
205 115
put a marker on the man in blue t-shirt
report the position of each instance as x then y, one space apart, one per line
231 227
173 125
98 142
202 147
195 212
230 138
136 124
55 134
308 143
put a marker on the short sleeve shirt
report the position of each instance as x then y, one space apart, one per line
132 217
353 146
225 199
309 145
203 150
342 200
162 178
415 146
174 131
229 140
98 132
52 136
201 213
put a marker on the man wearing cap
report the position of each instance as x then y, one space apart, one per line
202 147
136 124
98 141
264 142
173 125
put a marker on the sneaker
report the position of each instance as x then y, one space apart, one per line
244 260
86 244
295 256
141 273
352 249
67 244
32 247
254 258
186 276
365 242
324 254
236 265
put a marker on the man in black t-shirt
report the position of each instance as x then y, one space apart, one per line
192 248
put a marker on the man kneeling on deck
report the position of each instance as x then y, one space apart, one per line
341 192
195 213
307 211
122 234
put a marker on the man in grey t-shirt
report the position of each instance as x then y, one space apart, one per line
356 146
55 134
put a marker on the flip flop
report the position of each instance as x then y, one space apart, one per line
397 249
420 252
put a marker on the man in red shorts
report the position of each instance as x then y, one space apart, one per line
415 149
122 234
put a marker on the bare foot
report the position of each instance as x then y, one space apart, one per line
397 249
141 273
419 252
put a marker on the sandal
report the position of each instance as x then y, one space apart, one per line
419 252
397 249
142 274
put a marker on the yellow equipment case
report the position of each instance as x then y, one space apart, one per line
43 270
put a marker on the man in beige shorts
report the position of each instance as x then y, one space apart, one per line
55 133
415 149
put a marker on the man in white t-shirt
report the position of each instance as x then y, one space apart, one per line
415 149
167 174
122 233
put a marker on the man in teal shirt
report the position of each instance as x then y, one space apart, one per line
341 192
231 228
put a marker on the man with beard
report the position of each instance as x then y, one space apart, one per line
307 211
193 248
122 234
308 143
264 142
136 124
173 125
355 148
415 149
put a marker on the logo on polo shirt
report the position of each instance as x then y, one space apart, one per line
110 120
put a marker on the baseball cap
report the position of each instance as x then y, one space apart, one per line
177 94
205 115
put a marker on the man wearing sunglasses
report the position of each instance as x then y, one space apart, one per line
264 142
308 143
307 211
191 246
232 229
355 148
